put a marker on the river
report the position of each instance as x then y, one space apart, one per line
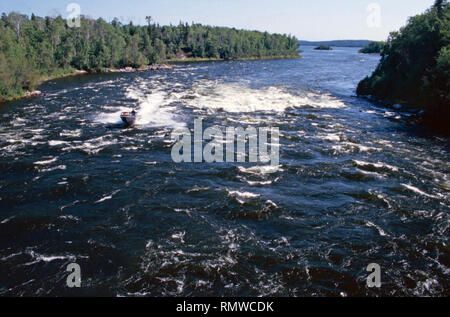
356 185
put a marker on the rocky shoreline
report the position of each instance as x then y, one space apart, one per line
140 69
31 94
37 93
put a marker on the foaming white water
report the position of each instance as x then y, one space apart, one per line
252 183
111 117
69 133
50 258
242 194
56 142
152 111
155 107
152 108
380 230
51 169
267 169
108 197
7 220
378 165
241 98
420 192
46 162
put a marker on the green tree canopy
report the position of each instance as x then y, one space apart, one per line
35 48
415 66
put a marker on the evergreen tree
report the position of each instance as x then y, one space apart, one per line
415 66
34 48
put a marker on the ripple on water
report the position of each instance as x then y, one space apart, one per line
354 186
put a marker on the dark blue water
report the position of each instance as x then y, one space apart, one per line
355 185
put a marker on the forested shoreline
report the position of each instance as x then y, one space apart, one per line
33 49
373 48
415 67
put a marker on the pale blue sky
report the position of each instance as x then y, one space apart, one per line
306 19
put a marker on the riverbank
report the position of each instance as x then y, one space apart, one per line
414 68
68 158
76 72
154 67
35 93
369 53
198 59
140 69
416 114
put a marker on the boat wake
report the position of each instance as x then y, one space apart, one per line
157 105
153 109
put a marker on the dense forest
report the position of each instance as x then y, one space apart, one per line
34 48
373 48
415 66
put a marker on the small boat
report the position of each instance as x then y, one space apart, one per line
129 118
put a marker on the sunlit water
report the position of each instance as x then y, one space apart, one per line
356 185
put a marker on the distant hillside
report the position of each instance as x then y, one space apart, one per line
339 43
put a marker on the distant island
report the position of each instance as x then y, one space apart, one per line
36 49
323 48
338 43
373 48
415 67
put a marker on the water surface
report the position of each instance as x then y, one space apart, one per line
356 185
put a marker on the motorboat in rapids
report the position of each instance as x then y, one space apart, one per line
129 118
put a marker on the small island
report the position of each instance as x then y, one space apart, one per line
373 48
323 48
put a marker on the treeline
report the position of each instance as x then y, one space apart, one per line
323 48
33 48
338 43
415 66
373 48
